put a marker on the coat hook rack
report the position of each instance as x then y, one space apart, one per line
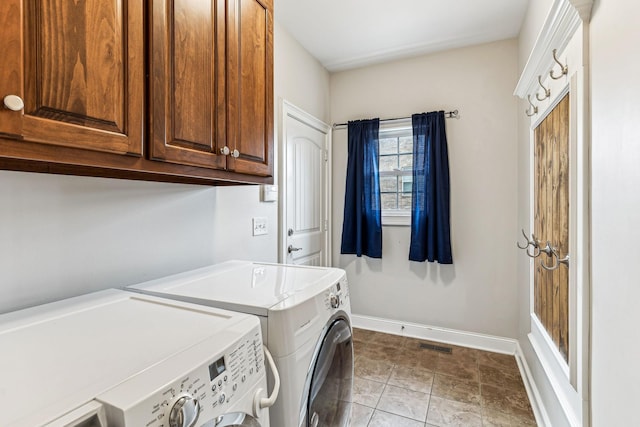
532 110
547 92
531 242
552 252
563 68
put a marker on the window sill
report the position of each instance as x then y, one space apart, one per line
396 219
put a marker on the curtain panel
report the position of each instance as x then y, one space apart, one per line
430 228
362 223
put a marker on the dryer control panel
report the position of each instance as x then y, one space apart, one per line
225 380
337 296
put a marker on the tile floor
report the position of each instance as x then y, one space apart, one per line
399 384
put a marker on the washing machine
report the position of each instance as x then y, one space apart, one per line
121 359
305 318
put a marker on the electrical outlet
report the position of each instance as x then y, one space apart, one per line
260 226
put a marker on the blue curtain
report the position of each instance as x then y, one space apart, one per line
362 223
430 235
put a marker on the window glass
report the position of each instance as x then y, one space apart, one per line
396 174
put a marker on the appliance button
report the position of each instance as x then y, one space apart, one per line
244 378
219 383
213 387
251 371
235 386
222 398
225 378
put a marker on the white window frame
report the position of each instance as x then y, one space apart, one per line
396 217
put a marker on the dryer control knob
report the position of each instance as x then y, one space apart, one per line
184 412
334 300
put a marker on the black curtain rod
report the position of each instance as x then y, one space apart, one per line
449 115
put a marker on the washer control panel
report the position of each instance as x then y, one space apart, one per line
337 295
201 395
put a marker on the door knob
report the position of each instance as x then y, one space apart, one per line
13 102
292 249
235 154
224 150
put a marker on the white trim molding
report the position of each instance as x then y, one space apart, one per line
434 333
561 24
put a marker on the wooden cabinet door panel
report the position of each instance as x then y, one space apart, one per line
11 70
84 74
551 192
187 85
250 73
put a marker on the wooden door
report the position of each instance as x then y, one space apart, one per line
187 82
250 86
307 191
78 66
551 288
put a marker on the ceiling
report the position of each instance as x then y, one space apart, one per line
345 34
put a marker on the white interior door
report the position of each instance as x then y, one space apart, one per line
305 173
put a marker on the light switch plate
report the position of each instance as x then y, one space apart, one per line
260 226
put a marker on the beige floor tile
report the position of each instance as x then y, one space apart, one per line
366 392
443 412
360 415
500 377
412 358
415 379
452 388
385 419
387 339
498 360
403 402
513 402
457 368
362 335
492 418
371 369
380 352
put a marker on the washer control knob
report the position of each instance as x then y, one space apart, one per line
222 398
334 300
184 412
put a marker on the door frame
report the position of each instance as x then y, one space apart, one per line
289 110
570 379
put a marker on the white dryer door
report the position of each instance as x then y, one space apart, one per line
331 383
235 419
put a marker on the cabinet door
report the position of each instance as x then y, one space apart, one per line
250 86
79 68
187 86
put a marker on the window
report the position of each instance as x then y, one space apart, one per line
396 174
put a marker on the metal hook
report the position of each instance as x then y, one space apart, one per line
535 243
547 92
563 68
564 260
528 111
531 241
526 238
551 252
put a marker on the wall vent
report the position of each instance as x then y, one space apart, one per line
440 348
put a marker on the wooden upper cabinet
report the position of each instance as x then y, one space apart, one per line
187 82
250 86
79 68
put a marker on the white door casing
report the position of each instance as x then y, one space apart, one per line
566 30
305 188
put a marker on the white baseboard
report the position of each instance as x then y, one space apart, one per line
434 333
539 411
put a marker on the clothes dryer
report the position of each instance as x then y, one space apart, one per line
121 359
305 317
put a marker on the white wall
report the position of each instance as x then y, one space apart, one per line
615 212
478 292
62 235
